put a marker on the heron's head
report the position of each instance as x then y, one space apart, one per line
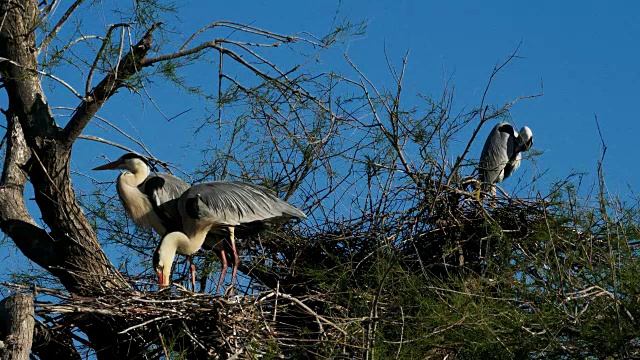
130 162
526 136
162 269
163 257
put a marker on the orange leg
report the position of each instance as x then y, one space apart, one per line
193 274
223 257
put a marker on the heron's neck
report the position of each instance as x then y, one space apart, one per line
167 252
196 231
179 242
134 177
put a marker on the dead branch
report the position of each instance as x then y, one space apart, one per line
130 65
58 26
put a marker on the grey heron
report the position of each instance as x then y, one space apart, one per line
149 199
501 154
220 207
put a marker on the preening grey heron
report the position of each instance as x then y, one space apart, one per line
149 199
220 207
501 154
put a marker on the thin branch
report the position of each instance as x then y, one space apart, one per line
245 28
131 64
104 141
105 42
58 26
40 72
214 44
143 324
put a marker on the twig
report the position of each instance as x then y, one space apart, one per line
58 26
104 141
105 42
40 72
143 324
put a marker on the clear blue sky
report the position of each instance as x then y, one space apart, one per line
585 53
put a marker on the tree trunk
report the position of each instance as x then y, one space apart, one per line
40 152
16 326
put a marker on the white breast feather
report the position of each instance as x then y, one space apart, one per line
140 209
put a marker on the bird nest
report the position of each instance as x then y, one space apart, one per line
175 321
458 231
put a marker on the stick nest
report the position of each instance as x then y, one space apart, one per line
175 322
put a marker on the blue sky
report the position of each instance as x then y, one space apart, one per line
585 53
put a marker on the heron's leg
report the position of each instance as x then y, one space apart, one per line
223 258
192 269
477 185
236 258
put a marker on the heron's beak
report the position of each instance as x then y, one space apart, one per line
109 166
161 282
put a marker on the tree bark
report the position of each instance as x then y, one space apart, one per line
40 152
16 326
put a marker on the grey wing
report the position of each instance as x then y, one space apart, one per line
512 165
163 190
494 156
514 146
234 203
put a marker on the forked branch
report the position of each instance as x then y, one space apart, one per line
47 40
115 79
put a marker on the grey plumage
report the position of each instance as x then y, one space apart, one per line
233 203
208 213
163 190
149 199
213 211
500 155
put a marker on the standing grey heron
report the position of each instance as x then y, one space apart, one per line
149 199
501 154
220 207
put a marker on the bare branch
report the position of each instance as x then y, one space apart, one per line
244 28
58 26
130 65
105 42
215 44
40 72
104 141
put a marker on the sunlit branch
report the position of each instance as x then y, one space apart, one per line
105 42
246 29
58 26
104 141
40 72
130 65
